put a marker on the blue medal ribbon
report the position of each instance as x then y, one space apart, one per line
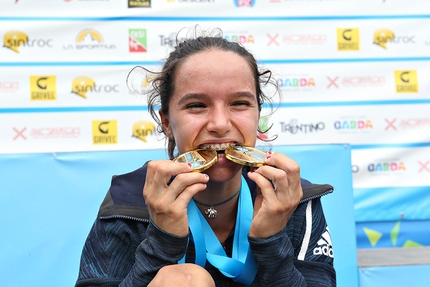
241 267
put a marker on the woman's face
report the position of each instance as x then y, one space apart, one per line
214 104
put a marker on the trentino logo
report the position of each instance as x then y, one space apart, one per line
348 39
137 40
324 245
244 3
43 88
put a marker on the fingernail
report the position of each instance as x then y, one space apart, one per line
207 176
269 154
189 165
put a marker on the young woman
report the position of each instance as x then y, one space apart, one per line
227 225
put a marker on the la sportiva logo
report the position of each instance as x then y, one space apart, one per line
89 39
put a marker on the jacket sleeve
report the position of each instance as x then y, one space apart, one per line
301 254
126 253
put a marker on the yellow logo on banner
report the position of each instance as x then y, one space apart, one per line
14 39
105 132
43 88
406 81
142 129
382 36
348 39
94 35
82 85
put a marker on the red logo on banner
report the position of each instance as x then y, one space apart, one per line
20 133
390 124
273 40
332 82
424 166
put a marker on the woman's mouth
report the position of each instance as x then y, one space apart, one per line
218 147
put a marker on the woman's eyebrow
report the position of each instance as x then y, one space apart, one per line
191 96
198 96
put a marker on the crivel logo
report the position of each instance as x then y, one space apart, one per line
143 129
137 40
325 246
43 88
82 85
348 39
139 3
244 3
105 132
406 81
15 39
383 36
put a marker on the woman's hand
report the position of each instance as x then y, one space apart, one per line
167 203
278 193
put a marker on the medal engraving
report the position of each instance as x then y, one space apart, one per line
246 156
200 159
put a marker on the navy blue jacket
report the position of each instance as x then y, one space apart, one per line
124 248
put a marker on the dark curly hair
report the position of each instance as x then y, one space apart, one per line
163 83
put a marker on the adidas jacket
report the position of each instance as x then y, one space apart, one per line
124 248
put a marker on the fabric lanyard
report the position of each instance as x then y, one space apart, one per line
241 267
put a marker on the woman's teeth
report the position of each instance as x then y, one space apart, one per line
217 147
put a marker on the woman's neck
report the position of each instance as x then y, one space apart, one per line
213 195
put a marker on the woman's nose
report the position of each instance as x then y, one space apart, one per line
219 121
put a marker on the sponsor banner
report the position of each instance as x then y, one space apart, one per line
211 7
138 40
80 131
74 86
367 125
352 82
385 167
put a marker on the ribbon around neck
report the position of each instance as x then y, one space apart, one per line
241 267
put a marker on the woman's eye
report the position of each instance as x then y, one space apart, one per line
195 106
240 104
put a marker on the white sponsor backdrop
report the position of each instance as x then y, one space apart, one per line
354 72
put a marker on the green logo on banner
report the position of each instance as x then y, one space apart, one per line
137 40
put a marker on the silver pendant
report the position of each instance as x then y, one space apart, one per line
211 212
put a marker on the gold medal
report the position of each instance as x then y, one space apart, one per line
246 155
200 159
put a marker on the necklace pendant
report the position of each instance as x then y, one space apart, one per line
211 212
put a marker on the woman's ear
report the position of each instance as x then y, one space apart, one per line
166 124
